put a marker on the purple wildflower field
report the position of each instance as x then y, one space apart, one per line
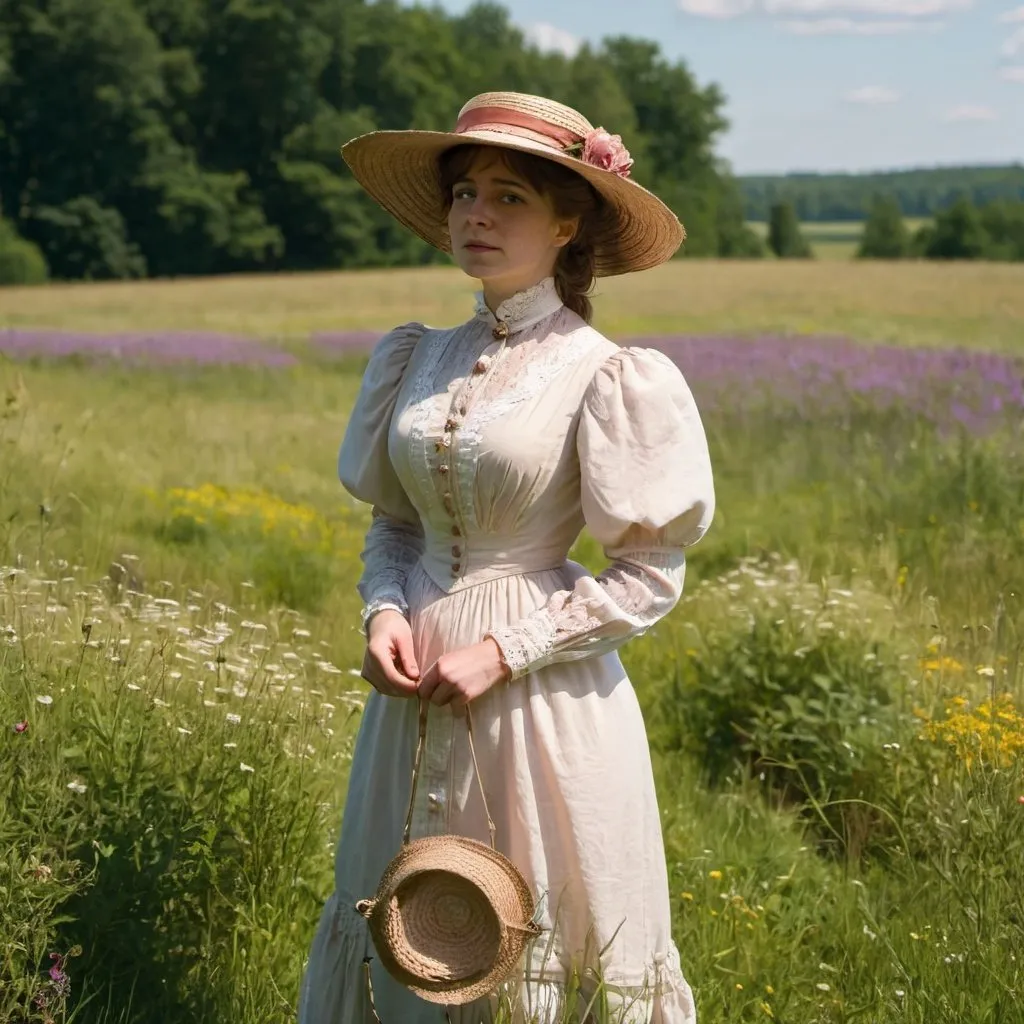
979 390
808 375
142 348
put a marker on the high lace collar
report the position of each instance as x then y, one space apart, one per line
524 309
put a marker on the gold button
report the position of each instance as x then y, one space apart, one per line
481 366
456 551
443 468
456 568
451 424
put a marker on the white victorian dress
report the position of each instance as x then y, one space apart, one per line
483 457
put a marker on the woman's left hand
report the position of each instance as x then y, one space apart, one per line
462 675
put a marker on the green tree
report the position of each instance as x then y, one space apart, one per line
784 236
958 234
21 262
82 239
1003 222
885 233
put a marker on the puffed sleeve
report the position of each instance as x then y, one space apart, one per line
394 541
647 495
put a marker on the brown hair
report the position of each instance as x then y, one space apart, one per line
571 195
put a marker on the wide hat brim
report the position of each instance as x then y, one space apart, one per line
400 170
488 877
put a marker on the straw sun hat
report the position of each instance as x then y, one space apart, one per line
451 916
400 171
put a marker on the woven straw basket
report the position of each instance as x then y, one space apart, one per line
451 916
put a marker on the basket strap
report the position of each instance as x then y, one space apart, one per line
421 742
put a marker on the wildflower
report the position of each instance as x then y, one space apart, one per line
246 767
900 993
986 670
44 698
739 987
230 746
184 731
716 875
61 982
77 787
766 1009
233 718
1020 799
769 990
23 727
689 895
823 986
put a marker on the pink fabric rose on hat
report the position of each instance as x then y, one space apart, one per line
606 151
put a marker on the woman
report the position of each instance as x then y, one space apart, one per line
484 450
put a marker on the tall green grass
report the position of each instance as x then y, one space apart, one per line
840 779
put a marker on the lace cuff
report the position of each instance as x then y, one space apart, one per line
392 548
598 615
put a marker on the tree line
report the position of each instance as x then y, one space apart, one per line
179 137
963 231
848 197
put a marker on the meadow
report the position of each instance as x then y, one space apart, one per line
836 708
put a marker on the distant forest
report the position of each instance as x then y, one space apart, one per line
848 197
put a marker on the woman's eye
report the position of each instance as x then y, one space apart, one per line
513 198
463 193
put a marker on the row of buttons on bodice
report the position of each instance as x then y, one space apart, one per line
443 446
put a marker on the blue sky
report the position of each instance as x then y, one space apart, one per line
829 85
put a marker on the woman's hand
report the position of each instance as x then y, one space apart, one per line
460 676
389 664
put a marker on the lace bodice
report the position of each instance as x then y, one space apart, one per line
487 447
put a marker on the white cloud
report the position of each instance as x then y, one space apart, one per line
971 112
1014 45
886 8
1013 74
872 95
551 39
716 8
1012 17
849 27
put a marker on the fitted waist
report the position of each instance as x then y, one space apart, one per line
455 562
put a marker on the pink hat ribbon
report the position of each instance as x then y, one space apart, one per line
598 148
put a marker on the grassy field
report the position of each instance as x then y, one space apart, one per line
836 709
974 305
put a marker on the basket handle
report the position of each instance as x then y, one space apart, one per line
421 742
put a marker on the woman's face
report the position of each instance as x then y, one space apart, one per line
503 232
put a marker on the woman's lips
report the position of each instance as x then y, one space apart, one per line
480 247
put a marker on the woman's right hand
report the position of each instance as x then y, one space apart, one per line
389 664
